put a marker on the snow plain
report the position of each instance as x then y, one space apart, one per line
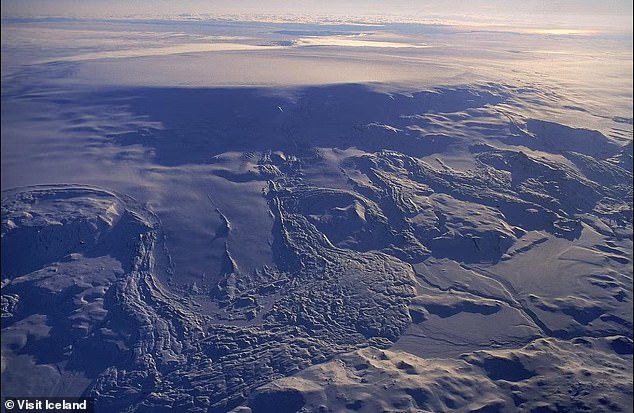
213 216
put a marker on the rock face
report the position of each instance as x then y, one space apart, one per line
397 282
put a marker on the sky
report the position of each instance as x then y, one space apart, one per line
576 14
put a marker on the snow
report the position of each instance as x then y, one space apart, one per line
205 216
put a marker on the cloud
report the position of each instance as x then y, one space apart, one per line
575 14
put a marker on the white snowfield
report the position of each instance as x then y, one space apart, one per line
274 217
